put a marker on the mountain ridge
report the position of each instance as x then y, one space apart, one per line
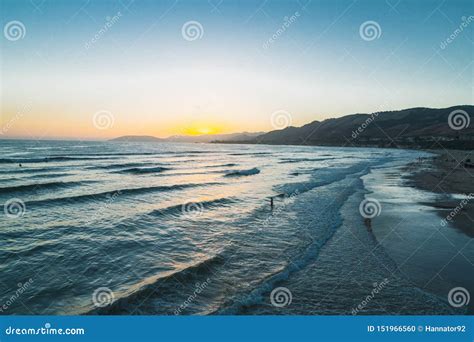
418 127
203 138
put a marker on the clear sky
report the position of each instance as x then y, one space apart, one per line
100 69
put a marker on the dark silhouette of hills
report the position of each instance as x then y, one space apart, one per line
414 128
136 138
204 138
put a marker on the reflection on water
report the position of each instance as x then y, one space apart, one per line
152 222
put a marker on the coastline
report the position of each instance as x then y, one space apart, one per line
407 245
448 174
432 251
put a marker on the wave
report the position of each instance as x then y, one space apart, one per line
221 165
301 160
139 170
312 249
193 206
115 154
120 165
174 174
249 154
136 153
46 159
115 194
29 170
321 178
192 152
308 255
40 186
47 175
239 173
148 287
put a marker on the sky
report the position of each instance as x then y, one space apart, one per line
102 69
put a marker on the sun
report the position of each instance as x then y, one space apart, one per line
202 129
205 130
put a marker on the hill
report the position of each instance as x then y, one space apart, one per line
204 138
414 127
136 138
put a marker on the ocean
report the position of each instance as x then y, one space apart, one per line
185 229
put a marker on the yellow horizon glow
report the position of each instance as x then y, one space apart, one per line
28 123
202 129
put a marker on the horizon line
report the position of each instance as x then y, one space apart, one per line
54 138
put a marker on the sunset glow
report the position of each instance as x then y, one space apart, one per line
231 77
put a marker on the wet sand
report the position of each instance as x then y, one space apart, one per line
450 173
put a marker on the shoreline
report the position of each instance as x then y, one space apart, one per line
429 249
382 145
450 174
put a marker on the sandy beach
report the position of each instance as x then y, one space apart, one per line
450 172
